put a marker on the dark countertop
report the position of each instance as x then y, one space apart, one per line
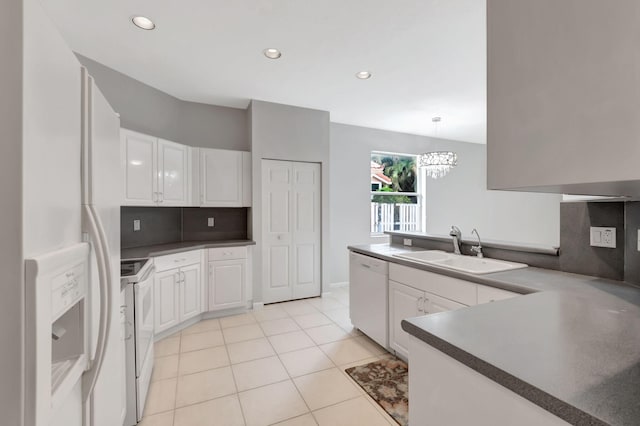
172 248
571 346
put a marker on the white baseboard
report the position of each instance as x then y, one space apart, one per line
258 305
325 294
339 285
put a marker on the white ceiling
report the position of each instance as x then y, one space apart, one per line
428 57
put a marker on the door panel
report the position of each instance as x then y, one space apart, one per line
306 236
166 307
291 230
404 303
305 257
227 281
138 156
173 173
190 299
221 178
279 267
276 231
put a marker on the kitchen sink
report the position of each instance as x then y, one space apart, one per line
468 264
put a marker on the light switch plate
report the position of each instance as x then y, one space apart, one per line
210 222
408 242
136 225
603 237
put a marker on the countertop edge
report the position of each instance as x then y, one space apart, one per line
535 395
197 245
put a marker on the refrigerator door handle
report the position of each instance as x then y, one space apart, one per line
96 232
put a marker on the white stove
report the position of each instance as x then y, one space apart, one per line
137 292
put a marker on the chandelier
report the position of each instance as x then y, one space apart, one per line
438 163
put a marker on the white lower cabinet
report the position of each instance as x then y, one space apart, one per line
227 278
177 291
407 302
227 281
404 302
166 300
190 292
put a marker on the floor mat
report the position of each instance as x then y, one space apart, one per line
387 382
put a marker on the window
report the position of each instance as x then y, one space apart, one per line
395 199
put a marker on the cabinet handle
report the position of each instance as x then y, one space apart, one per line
176 279
183 276
161 196
421 304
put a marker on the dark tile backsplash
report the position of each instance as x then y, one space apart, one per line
576 253
229 224
632 255
160 225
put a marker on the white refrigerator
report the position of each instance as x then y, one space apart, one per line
98 395
69 166
103 383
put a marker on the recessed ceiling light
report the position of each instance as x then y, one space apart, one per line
272 53
363 75
143 22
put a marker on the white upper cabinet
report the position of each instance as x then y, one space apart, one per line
139 154
563 111
224 178
156 171
173 175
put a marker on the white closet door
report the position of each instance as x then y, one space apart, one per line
290 230
306 230
276 230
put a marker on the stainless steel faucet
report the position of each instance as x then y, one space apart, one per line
457 237
477 249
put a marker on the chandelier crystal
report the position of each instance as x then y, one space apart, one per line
438 163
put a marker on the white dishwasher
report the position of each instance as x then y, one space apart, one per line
369 296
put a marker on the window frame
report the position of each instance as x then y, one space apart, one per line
420 187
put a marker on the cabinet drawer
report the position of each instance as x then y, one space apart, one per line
450 288
177 260
227 253
488 294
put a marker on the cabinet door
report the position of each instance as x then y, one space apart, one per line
167 312
435 304
404 302
247 176
227 280
190 292
220 178
173 174
139 157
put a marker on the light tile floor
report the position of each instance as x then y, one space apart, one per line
282 365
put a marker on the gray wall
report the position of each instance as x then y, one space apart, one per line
145 109
282 132
460 198
562 95
11 262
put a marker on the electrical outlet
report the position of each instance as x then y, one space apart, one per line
210 222
603 237
136 225
408 242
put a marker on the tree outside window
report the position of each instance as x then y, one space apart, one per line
395 200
